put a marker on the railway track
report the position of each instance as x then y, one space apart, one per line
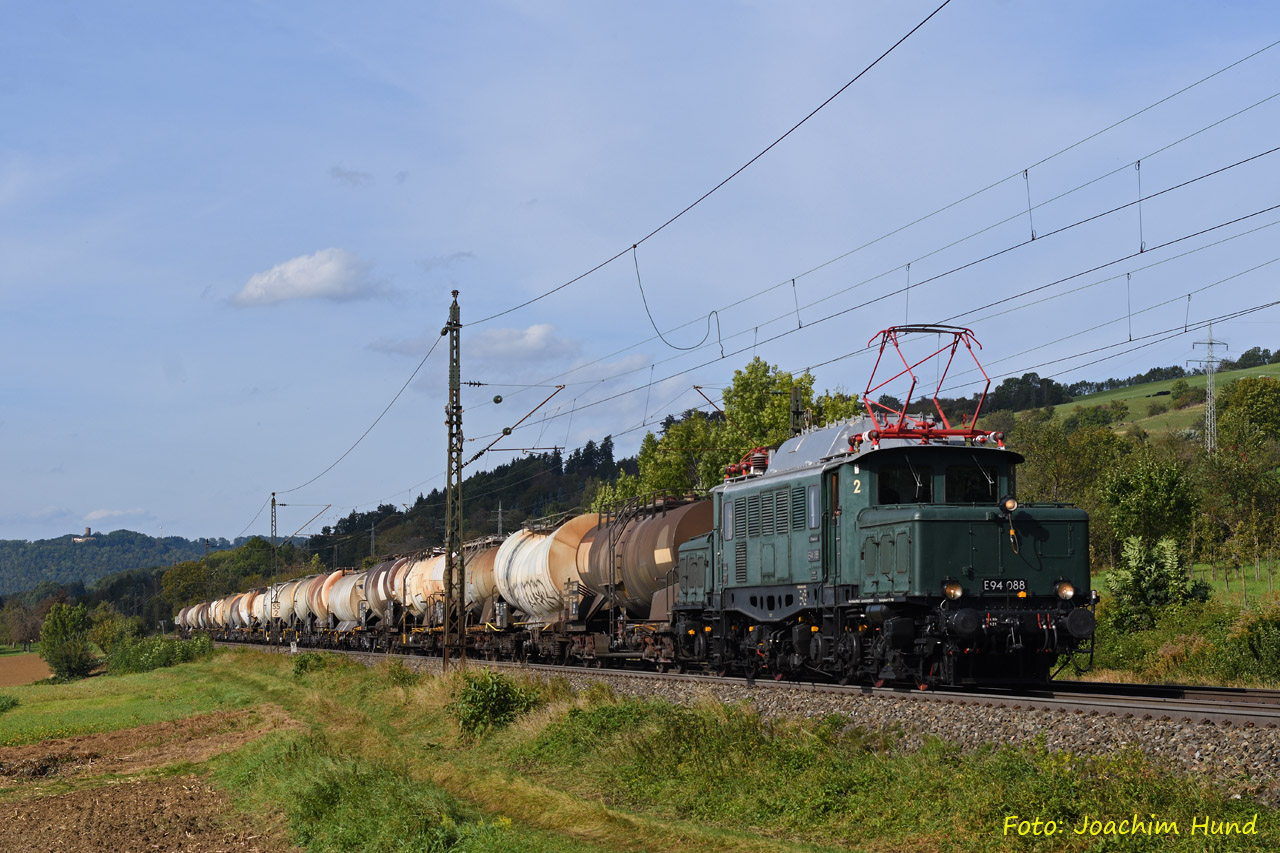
1222 706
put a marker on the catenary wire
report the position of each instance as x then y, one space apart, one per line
735 174
371 426
937 250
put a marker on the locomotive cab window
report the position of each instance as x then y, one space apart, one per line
905 484
972 484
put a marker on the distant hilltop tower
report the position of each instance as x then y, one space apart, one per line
88 534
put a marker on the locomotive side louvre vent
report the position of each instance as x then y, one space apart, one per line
767 513
780 505
797 508
740 540
753 515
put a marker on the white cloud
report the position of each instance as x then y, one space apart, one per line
514 348
100 514
538 342
333 274
444 261
351 176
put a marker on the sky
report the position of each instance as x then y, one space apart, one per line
229 231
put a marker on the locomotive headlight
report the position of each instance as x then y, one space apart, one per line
1065 590
1008 504
952 590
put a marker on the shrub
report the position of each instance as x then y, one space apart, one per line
1255 645
1147 579
490 701
1183 395
64 641
148 653
309 662
7 702
398 674
111 628
1156 409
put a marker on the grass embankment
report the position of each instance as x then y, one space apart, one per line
1139 398
373 759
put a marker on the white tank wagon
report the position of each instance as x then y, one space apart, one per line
347 600
386 586
425 584
481 583
318 596
301 605
235 620
282 601
219 612
246 608
537 572
260 609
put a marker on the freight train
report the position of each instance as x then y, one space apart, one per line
887 549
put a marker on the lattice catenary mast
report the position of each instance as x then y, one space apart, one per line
455 572
1210 362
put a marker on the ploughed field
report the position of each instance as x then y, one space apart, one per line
22 668
248 751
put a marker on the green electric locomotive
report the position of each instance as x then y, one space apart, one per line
890 549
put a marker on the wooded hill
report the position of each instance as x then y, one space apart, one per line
64 560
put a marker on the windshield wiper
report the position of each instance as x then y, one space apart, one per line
914 476
991 484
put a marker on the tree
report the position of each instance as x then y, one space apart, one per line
1027 392
1182 395
1001 420
690 456
610 495
110 627
64 641
835 406
1255 399
186 582
19 624
758 401
1253 357
1149 498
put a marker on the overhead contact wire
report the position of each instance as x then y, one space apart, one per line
735 174
376 420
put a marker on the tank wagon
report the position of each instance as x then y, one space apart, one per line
890 548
